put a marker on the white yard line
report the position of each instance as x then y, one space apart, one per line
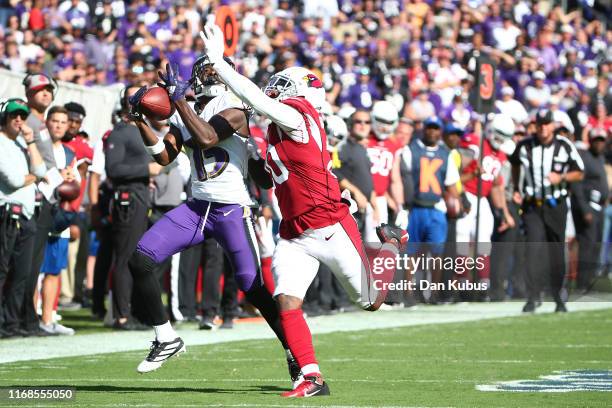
28 349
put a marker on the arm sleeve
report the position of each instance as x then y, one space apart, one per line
575 161
286 117
39 171
11 177
580 199
117 166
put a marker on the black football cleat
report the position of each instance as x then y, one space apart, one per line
312 386
159 353
392 234
560 308
529 307
294 372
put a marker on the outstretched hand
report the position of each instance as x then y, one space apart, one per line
172 84
214 42
134 102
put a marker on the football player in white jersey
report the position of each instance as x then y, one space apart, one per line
216 137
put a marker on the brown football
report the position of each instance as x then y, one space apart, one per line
156 104
68 190
453 206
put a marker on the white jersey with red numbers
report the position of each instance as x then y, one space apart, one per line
492 163
381 154
308 193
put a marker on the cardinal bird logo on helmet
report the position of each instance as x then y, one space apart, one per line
313 81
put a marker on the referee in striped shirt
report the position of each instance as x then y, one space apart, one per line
548 163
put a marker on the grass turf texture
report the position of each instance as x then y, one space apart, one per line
430 365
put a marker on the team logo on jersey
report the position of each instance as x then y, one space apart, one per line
312 81
559 381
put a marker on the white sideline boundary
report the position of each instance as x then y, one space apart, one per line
29 349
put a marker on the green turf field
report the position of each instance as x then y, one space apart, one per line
428 365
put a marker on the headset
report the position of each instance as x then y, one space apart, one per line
28 78
3 105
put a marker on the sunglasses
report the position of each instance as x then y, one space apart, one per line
363 122
20 114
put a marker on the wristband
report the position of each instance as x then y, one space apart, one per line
30 142
157 148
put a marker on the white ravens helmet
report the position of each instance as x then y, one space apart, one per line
296 81
384 119
500 132
205 81
336 130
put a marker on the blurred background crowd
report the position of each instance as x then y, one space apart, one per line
417 55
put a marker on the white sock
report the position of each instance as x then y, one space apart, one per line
288 354
310 369
165 333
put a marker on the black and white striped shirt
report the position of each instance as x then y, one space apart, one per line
537 161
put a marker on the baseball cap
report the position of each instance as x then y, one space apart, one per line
539 75
507 90
597 133
451 128
433 121
16 106
75 110
38 82
544 117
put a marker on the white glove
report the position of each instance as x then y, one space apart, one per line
346 195
214 42
253 150
401 220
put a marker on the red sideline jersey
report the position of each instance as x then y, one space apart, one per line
308 193
381 154
492 162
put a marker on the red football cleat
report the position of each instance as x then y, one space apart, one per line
312 386
392 234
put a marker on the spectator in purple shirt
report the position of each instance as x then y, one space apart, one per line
363 94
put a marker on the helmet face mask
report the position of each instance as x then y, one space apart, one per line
296 81
206 81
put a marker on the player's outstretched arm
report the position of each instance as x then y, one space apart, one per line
221 126
281 114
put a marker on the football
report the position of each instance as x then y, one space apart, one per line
156 104
68 190
453 206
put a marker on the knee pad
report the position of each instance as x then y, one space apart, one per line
141 264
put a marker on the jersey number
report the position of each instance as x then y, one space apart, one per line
428 182
215 159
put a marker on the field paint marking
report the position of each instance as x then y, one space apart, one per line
230 380
42 348
227 405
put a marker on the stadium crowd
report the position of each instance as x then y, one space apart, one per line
395 72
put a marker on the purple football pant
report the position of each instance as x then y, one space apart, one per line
188 224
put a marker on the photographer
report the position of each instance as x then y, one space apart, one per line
20 167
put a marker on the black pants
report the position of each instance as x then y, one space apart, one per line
188 275
16 248
80 268
589 238
545 228
44 225
507 258
129 224
104 262
215 264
